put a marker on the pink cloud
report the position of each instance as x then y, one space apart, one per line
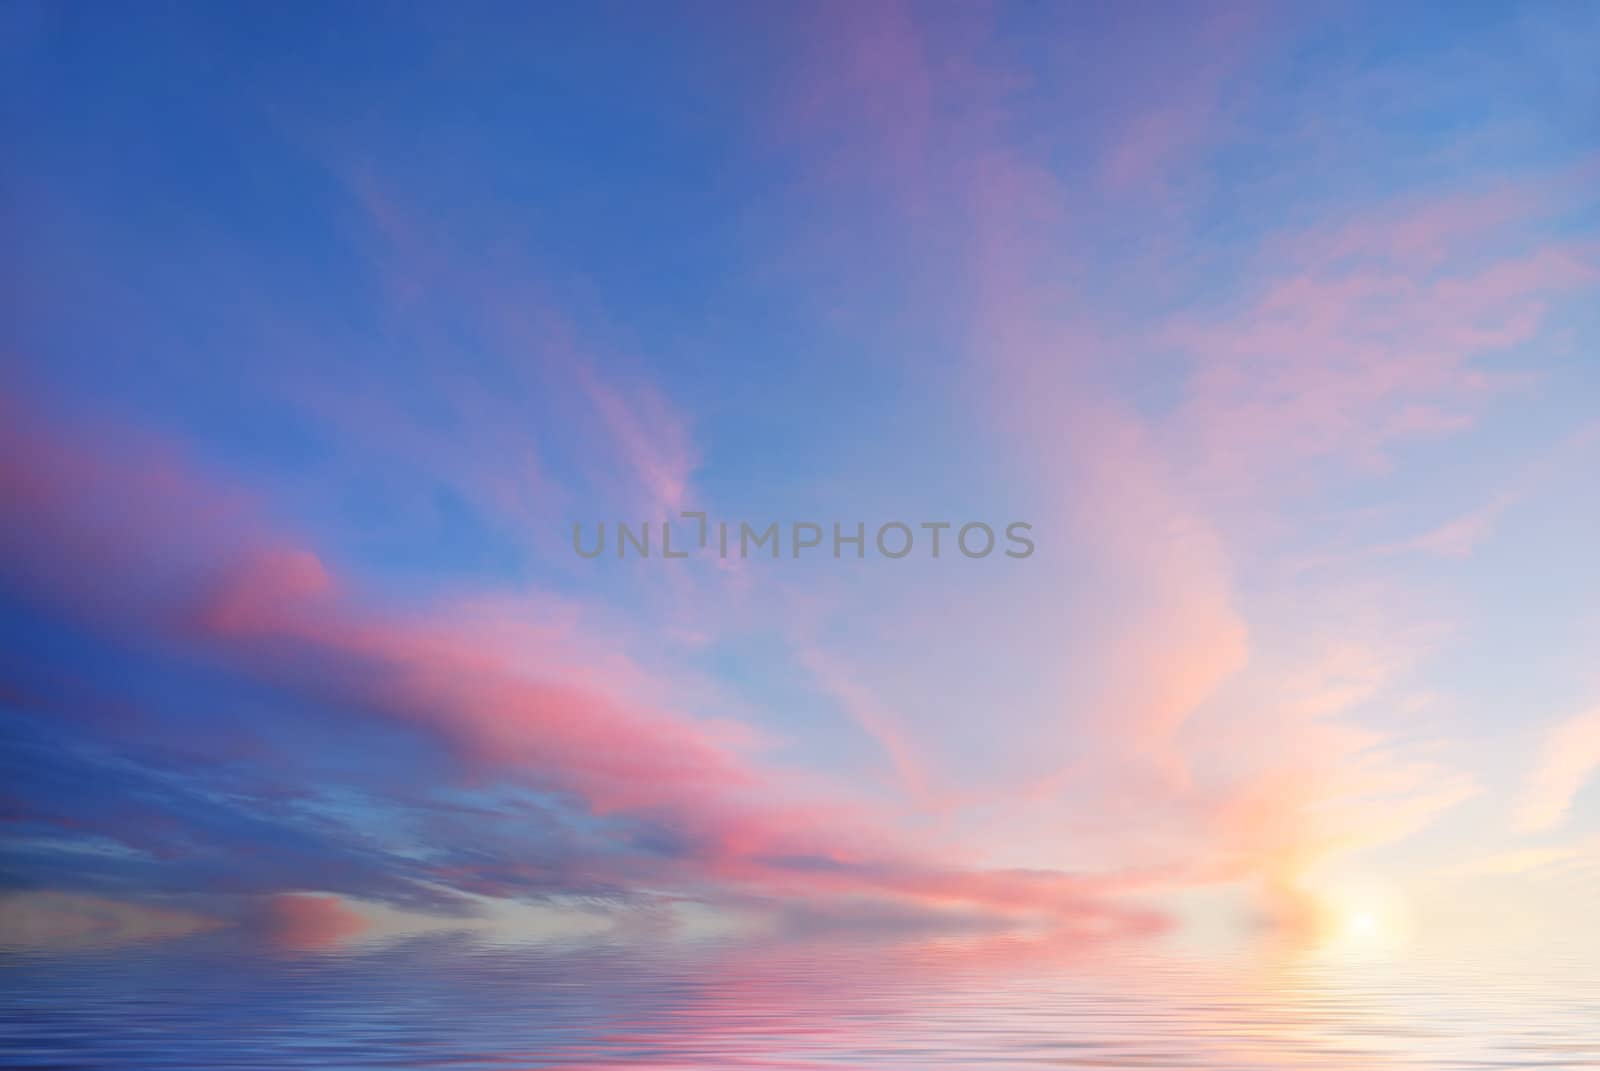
1175 633
1329 365
267 605
115 538
1362 343
861 96
1189 113
257 593
308 922
650 437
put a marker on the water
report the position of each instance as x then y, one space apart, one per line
211 1003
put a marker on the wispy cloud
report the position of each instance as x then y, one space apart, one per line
1569 756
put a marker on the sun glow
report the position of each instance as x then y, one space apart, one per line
1361 924
1364 919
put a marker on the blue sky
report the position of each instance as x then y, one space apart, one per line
325 326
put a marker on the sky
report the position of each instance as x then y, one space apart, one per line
324 326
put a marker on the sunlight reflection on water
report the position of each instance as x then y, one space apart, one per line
214 1003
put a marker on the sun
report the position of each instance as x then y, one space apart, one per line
1364 919
1362 924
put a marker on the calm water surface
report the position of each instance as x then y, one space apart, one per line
213 1004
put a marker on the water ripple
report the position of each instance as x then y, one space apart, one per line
210 1004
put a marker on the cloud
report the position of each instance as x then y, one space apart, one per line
1460 537
1519 861
1361 339
306 679
1568 758
53 920
205 701
1190 113
308 922
535 409
885 726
